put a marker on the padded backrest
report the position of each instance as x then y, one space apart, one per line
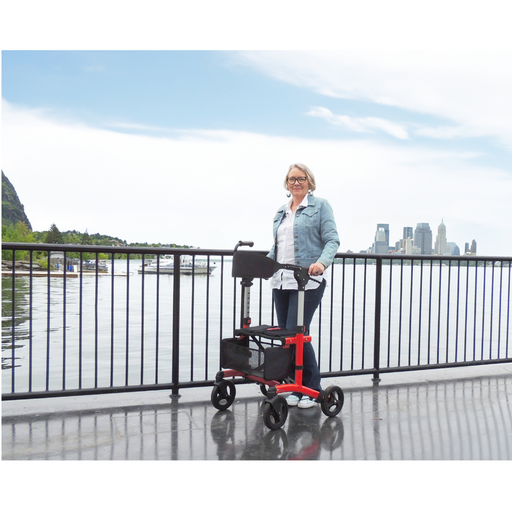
253 264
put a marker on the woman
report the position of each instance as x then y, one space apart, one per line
304 234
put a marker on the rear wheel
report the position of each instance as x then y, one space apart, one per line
275 412
223 394
333 401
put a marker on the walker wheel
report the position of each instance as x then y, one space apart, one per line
223 394
275 412
333 401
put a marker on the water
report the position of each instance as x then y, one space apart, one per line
118 330
111 331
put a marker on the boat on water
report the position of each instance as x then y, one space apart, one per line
91 266
187 266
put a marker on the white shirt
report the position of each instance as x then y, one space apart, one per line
286 253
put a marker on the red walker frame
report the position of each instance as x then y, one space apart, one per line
249 265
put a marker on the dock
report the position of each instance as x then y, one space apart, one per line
53 273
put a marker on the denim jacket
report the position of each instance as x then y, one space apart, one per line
315 234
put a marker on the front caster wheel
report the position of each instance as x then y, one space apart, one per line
275 412
223 394
333 401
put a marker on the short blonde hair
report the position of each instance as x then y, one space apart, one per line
304 168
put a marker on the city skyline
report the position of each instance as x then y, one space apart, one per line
418 240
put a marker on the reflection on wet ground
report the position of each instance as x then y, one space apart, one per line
425 416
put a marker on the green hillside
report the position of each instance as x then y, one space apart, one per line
12 209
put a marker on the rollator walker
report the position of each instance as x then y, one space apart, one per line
276 363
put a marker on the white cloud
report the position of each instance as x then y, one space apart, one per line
134 126
213 188
446 132
468 87
360 124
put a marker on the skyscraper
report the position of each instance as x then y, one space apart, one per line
409 248
408 233
381 244
385 228
441 243
423 238
453 248
470 249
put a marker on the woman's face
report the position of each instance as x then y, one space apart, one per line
296 188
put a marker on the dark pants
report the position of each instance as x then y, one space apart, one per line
285 302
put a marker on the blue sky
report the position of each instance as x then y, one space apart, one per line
159 89
191 147
174 90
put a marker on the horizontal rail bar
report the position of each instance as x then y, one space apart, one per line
108 249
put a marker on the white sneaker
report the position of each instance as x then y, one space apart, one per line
292 400
306 402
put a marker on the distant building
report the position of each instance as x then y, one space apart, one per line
470 249
423 238
381 244
385 228
441 246
409 247
408 233
453 248
400 245
56 257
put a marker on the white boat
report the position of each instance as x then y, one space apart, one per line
91 266
187 266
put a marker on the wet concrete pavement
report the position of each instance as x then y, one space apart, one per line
449 414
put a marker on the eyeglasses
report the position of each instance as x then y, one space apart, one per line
302 179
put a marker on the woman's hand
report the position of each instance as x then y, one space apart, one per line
316 269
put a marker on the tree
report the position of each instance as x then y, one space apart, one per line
54 236
86 239
18 232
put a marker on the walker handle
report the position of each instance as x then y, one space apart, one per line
242 243
301 274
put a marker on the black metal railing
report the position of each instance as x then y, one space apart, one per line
120 325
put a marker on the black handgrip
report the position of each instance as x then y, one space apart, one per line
242 243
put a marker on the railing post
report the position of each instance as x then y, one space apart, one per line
176 328
378 302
